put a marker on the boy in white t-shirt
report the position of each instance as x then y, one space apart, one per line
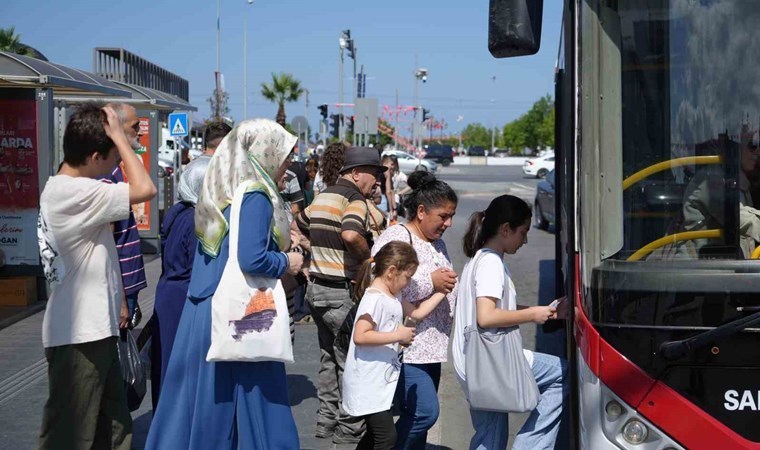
87 407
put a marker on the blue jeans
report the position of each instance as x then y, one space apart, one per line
417 396
540 431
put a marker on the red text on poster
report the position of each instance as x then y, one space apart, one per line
19 183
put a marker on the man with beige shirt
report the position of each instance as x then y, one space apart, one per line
86 407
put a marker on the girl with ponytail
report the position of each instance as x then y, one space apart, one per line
486 281
372 361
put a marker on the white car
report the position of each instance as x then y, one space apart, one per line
408 163
539 167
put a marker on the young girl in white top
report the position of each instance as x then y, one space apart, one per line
502 229
373 359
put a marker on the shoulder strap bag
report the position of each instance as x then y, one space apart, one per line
249 314
498 376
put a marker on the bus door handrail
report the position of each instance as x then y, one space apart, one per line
669 164
677 237
672 239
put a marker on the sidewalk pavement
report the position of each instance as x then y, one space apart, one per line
23 387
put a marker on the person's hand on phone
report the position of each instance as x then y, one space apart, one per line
543 313
562 308
405 335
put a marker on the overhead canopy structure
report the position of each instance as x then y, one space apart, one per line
19 71
157 98
141 98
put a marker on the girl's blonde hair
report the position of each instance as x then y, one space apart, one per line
394 253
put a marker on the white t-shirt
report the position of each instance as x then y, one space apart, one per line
491 278
399 183
372 371
79 257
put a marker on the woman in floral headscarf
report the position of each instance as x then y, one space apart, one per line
226 405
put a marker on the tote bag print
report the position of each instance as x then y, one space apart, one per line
254 316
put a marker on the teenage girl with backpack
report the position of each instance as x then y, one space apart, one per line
373 360
502 229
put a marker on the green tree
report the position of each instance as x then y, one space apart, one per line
11 42
514 137
283 89
534 129
476 134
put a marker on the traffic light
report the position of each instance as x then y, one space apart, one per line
335 125
323 110
351 49
425 113
350 125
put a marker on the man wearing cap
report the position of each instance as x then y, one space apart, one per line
337 225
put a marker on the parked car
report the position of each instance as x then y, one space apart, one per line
539 167
501 153
442 154
476 151
408 163
543 206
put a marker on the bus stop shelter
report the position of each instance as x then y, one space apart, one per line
35 104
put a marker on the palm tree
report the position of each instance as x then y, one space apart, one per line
11 42
283 89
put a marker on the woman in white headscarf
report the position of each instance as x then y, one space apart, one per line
226 405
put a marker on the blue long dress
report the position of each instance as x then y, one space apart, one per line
178 247
224 405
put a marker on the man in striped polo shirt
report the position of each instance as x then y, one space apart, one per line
336 224
125 232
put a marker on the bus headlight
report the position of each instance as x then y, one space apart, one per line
635 432
613 409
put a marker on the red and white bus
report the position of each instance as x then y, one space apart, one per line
658 108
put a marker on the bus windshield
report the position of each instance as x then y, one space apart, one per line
690 103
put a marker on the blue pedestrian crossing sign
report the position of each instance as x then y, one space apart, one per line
178 124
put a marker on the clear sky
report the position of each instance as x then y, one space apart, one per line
301 37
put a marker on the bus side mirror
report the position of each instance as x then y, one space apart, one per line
514 27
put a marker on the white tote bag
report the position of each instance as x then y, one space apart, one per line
249 315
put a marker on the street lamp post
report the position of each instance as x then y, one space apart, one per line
245 63
419 74
345 36
217 113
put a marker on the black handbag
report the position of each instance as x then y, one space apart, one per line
132 370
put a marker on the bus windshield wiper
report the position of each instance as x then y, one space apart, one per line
672 350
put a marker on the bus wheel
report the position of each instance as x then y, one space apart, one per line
538 218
